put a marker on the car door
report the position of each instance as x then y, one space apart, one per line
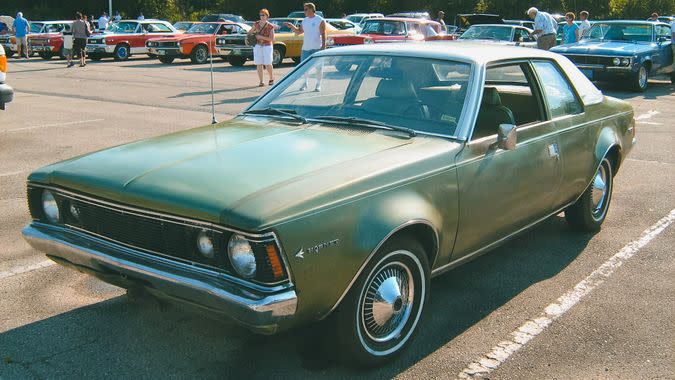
503 191
663 57
575 132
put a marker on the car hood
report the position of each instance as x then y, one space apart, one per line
598 47
184 37
247 174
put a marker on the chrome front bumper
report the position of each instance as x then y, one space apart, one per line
261 311
99 48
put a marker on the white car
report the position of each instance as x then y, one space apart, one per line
6 92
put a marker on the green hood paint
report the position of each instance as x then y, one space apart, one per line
244 173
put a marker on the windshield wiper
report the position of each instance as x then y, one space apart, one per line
350 120
276 112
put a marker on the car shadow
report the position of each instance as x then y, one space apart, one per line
157 340
224 90
657 87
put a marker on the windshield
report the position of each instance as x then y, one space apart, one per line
122 27
203 29
395 28
426 95
621 32
36 27
487 33
182 25
356 19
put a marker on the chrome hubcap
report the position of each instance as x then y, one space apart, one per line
388 302
643 76
201 55
276 57
599 191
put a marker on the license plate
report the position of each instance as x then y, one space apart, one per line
588 73
90 48
226 52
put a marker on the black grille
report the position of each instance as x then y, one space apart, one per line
590 60
154 234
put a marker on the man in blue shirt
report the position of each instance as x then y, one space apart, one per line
21 28
570 29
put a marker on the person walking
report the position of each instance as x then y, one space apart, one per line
570 30
545 28
103 21
314 28
440 20
21 29
262 51
118 17
584 25
68 46
141 17
81 31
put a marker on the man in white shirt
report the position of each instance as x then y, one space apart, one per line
314 28
545 28
103 21
585 25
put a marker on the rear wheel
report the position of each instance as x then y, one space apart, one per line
590 210
237 61
278 55
640 79
379 315
296 59
166 60
122 52
200 55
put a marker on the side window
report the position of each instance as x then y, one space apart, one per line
158 28
522 35
663 31
557 90
508 98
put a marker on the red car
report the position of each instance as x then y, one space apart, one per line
195 43
49 41
127 37
392 29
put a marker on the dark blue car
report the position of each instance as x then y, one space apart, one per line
626 51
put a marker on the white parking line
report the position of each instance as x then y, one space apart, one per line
647 115
53 125
11 173
533 327
26 268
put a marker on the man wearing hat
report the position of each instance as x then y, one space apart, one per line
545 28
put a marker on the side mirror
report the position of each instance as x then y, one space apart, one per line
662 39
506 137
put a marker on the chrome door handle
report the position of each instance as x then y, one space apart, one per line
553 151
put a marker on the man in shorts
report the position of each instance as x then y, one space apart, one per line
314 28
81 31
21 29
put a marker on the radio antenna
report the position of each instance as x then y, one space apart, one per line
213 105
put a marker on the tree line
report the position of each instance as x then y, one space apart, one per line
175 10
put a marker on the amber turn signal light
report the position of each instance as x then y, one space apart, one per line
3 64
275 262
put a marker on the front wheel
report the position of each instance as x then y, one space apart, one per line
237 61
640 79
199 55
166 60
590 210
95 56
46 55
379 316
122 52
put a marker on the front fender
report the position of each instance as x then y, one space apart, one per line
327 250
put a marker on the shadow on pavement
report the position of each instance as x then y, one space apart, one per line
656 88
144 339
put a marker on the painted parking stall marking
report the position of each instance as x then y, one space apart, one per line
53 125
26 268
533 327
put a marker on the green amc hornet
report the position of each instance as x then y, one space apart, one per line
339 193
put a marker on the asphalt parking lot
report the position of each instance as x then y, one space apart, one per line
57 323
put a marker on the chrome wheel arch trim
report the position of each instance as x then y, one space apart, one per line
377 248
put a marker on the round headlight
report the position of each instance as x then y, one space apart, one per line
368 41
241 256
50 207
205 244
625 62
616 61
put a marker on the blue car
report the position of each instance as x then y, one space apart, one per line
625 51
